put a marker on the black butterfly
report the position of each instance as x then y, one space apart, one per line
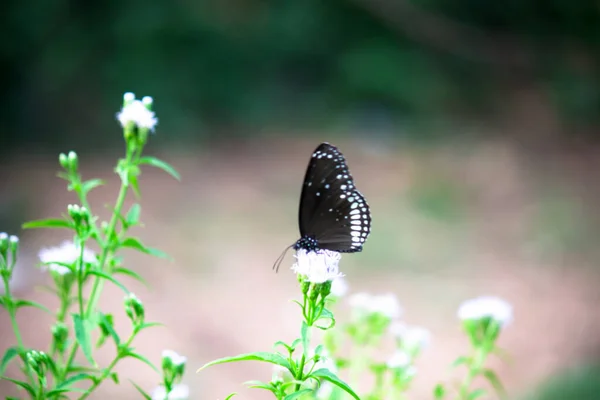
333 214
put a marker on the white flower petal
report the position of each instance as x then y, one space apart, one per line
318 266
411 337
138 113
339 287
386 304
399 360
66 253
179 392
486 307
175 357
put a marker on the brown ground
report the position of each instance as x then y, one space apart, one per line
450 222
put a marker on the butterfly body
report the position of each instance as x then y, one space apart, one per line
333 214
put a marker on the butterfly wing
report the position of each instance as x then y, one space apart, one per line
332 210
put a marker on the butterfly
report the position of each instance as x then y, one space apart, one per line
333 214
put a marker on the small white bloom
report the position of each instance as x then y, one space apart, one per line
66 253
339 287
318 266
179 392
486 306
147 100
399 360
327 363
137 113
281 373
175 358
3 235
385 304
13 239
412 337
127 97
325 391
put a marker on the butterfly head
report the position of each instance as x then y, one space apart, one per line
307 242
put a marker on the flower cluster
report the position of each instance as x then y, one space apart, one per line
58 259
317 266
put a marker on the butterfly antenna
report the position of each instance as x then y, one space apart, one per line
280 258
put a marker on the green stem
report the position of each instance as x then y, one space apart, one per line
106 249
12 312
110 367
98 282
474 369
80 277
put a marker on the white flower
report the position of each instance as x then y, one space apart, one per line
3 235
412 337
339 287
385 304
136 111
399 360
13 239
66 253
281 373
179 392
326 362
325 391
175 358
318 266
486 306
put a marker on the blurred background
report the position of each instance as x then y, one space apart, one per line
471 128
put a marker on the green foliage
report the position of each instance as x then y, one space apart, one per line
294 63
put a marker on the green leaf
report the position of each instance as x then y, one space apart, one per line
298 394
289 348
133 181
329 376
155 162
128 272
141 358
259 385
495 382
305 338
107 324
146 395
30 303
56 392
139 389
326 314
87 186
82 334
133 215
49 223
258 356
22 384
461 360
135 243
439 391
475 394
110 278
115 377
75 378
149 325
230 396
9 354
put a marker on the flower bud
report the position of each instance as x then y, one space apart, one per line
173 366
73 161
128 98
134 309
38 362
60 334
5 264
148 101
3 243
64 162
